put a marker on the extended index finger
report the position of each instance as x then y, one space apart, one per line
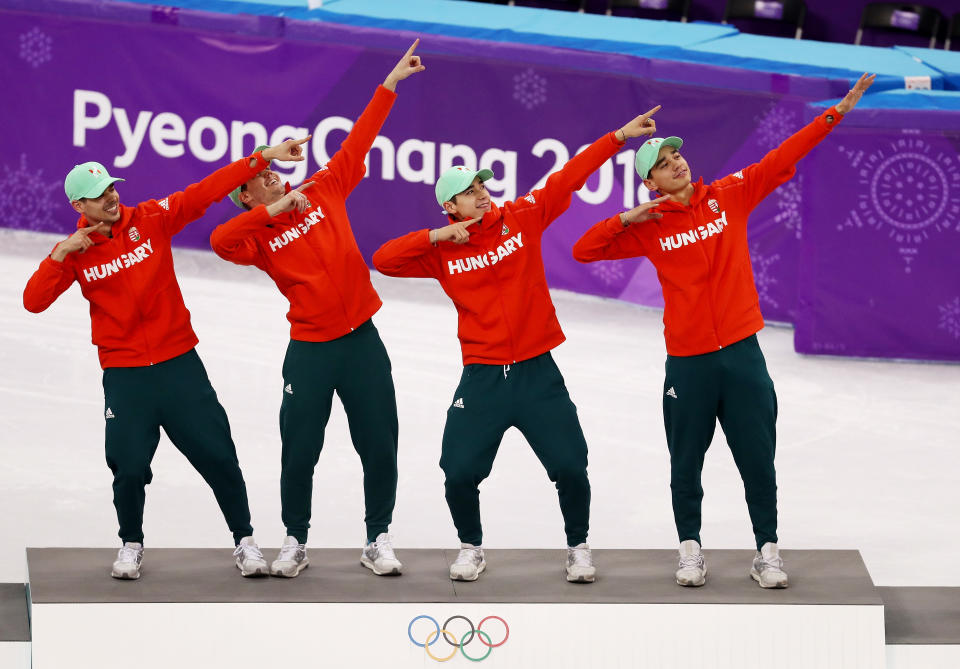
472 221
651 112
301 141
413 47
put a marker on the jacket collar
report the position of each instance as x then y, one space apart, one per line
699 192
126 213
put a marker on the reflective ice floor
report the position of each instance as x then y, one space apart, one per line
868 451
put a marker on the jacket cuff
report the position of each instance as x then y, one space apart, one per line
612 226
53 264
831 117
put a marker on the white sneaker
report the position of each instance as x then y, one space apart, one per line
378 556
580 567
250 560
127 565
469 563
693 570
767 569
291 560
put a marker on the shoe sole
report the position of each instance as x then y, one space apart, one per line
125 577
480 570
694 584
581 579
776 586
368 563
259 571
300 567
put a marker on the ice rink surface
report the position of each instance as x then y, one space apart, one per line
868 457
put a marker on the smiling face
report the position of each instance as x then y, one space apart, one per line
470 203
103 209
265 188
670 174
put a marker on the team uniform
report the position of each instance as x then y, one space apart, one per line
334 347
152 375
715 369
507 326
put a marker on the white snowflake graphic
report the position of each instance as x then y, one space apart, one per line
529 89
763 276
789 199
950 317
775 126
36 47
610 271
26 198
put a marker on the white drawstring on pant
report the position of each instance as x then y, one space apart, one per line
506 368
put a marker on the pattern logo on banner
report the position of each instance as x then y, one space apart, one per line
909 190
529 89
458 642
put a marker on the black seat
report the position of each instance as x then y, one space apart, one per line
568 5
651 8
786 12
900 18
953 31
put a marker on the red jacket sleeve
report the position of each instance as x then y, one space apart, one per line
50 280
608 240
554 197
233 240
190 204
411 255
347 164
779 166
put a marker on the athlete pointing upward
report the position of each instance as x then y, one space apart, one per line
488 260
696 237
152 376
302 238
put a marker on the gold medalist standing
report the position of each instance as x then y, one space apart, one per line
302 238
507 327
152 375
696 237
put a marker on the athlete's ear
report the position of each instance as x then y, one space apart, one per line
650 184
245 197
450 208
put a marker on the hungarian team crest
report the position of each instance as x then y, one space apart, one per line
134 234
714 206
506 230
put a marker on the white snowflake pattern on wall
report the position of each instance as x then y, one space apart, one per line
775 126
36 47
608 271
950 317
763 276
26 199
789 197
529 89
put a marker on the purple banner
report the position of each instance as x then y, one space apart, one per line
879 271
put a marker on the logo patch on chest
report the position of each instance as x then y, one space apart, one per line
714 206
505 231
134 234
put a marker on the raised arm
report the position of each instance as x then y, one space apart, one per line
779 165
606 240
234 241
560 186
347 164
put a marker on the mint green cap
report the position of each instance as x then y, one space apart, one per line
648 152
456 180
87 180
235 193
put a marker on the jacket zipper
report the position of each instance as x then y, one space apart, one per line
143 329
706 257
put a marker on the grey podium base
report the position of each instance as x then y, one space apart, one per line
14 622
921 616
82 575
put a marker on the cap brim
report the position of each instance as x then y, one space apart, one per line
97 189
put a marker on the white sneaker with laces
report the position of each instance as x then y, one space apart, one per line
469 563
127 564
378 556
580 567
767 569
250 560
291 560
693 570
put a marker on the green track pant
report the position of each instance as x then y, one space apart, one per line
177 396
531 396
357 368
731 385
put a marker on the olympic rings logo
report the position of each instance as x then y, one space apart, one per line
465 639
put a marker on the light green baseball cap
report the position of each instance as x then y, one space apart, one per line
648 152
87 180
456 180
235 193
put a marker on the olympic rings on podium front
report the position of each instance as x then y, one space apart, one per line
475 632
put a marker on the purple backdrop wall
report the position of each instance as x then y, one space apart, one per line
176 103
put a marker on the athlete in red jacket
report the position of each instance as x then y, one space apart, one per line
152 377
493 272
696 237
302 238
